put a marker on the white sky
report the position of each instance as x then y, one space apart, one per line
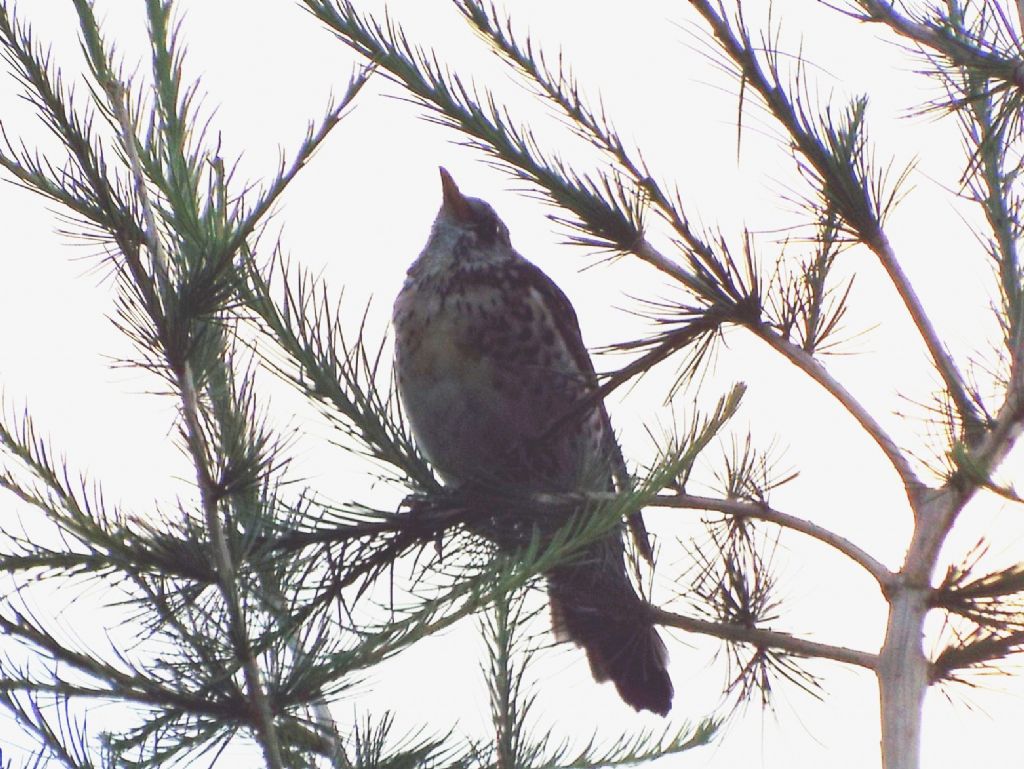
360 213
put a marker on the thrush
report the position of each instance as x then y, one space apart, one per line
490 362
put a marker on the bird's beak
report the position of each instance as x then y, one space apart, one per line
453 201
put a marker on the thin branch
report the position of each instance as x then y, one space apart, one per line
765 638
648 253
800 358
816 371
762 512
936 37
126 685
227 581
837 176
880 245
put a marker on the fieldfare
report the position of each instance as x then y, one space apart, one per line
489 356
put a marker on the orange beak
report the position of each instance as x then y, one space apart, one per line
454 202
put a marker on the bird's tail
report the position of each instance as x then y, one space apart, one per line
594 605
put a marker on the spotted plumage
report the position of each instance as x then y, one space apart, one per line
489 356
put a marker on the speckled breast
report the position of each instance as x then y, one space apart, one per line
483 372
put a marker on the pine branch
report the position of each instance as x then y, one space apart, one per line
209 493
757 637
806 305
373 747
179 172
839 163
762 512
990 125
510 703
936 32
329 367
64 741
816 371
629 750
561 88
173 307
316 135
129 685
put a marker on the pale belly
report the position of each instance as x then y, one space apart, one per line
482 418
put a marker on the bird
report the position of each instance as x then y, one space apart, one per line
488 353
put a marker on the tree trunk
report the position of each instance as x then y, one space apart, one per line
903 679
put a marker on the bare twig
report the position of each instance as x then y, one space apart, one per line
648 253
813 368
765 638
882 248
763 512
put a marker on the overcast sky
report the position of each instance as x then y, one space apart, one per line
360 213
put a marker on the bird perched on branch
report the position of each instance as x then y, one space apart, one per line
489 358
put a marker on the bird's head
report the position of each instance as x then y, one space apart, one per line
467 229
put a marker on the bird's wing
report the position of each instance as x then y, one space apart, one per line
568 324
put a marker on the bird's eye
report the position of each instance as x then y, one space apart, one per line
488 230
